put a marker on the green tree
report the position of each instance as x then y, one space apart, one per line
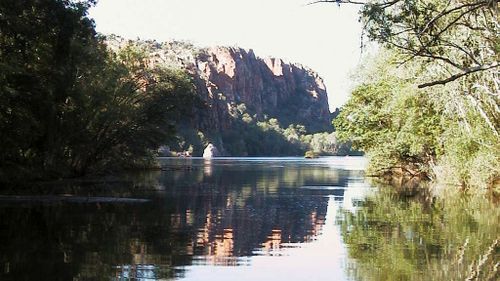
460 35
387 117
450 49
69 106
46 48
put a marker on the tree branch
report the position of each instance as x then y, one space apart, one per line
444 13
338 2
382 5
458 75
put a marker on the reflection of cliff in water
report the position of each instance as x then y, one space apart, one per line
198 213
234 211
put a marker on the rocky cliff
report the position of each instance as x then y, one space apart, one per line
268 87
233 81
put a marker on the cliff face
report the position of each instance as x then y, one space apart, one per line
239 90
268 87
228 76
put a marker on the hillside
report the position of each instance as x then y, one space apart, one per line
250 105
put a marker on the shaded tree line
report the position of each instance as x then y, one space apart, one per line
250 136
68 105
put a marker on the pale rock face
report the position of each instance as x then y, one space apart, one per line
275 65
210 151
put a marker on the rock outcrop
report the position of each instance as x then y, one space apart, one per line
229 76
211 151
231 80
268 87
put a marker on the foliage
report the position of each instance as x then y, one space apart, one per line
68 105
453 40
449 52
249 136
457 37
310 154
438 132
396 124
146 102
472 152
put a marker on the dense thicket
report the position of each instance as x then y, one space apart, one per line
68 106
388 117
432 105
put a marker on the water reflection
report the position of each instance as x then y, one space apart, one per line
207 167
197 215
408 233
238 207
246 219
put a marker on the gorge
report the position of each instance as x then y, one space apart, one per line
249 106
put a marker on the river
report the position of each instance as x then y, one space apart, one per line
246 219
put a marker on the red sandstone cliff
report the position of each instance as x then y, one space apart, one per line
229 76
289 92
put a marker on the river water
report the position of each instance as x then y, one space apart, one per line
245 219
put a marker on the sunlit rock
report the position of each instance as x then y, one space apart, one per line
211 151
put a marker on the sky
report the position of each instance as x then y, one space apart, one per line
324 37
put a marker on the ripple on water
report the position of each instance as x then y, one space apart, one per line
323 187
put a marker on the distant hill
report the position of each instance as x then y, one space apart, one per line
250 105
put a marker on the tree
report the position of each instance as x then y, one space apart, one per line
68 106
449 50
46 48
459 33
453 40
396 124
134 115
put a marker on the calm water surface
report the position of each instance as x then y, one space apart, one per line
244 219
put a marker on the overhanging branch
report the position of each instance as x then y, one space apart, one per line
458 75
338 2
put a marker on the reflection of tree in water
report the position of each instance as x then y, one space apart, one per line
193 217
407 234
85 241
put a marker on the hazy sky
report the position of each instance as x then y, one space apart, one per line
324 37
